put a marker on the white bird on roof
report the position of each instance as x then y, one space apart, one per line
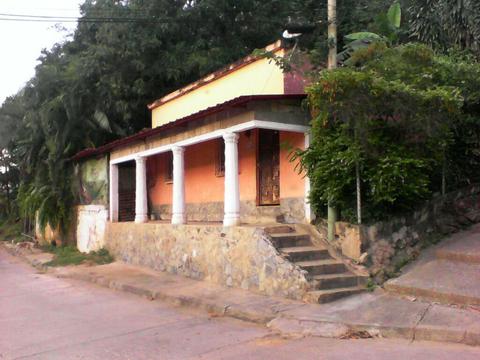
288 35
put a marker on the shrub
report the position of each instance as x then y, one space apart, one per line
402 121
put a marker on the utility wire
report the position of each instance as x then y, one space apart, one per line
93 20
80 20
61 19
36 10
20 16
98 18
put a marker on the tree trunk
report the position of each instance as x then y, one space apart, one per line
359 194
4 164
444 179
9 200
332 219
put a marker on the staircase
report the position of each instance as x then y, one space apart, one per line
329 278
448 273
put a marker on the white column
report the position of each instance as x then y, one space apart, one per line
113 193
178 206
232 191
308 210
141 204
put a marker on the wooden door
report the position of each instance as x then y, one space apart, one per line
268 167
126 192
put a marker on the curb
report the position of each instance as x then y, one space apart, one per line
330 329
294 327
431 295
212 307
33 262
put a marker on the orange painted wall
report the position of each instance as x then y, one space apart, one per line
292 184
247 153
201 183
159 191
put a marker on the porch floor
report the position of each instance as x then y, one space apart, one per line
211 223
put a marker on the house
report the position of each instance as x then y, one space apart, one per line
210 190
218 151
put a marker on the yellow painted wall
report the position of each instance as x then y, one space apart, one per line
262 77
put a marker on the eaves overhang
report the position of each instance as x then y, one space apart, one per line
144 134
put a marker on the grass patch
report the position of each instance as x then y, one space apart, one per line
400 263
69 255
371 285
432 239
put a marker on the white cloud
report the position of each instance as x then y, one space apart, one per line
21 42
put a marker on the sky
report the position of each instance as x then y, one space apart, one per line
21 43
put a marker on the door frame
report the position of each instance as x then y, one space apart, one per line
131 192
257 166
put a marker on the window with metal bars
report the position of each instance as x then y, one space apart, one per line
220 158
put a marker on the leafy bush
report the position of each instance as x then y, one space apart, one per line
404 119
396 178
10 230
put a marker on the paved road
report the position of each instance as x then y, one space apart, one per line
42 317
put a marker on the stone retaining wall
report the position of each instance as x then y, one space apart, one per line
384 247
241 257
290 210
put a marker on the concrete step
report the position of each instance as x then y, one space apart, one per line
329 277
284 240
334 281
466 249
458 256
305 253
443 281
319 267
279 229
325 296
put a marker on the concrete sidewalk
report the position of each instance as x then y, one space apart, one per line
374 314
447 273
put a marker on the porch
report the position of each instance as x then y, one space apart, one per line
231 175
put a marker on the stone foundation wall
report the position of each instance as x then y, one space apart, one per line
241 257
384 247
291 210
206 212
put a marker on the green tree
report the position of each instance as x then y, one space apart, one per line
406 115
95 88
445 23
11 114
